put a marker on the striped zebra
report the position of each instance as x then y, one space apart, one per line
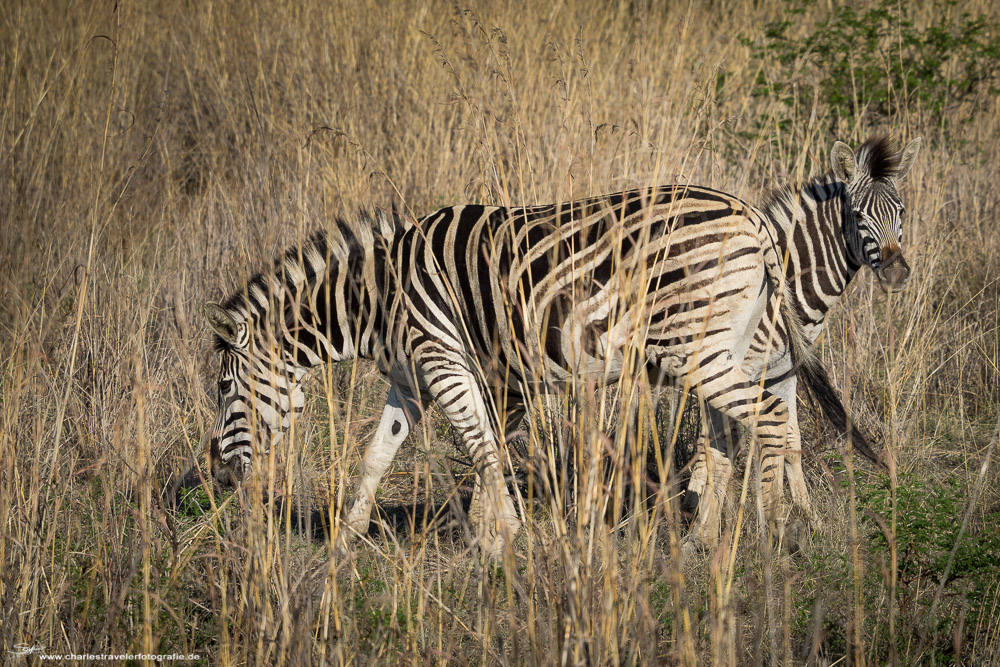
829 227
479 298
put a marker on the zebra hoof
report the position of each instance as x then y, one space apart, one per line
496 538
697 545
813 520
690 548
492 548
342 547
799 525
349 532
702 538
795 533
492 545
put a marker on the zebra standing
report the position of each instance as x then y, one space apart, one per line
830 227
474 297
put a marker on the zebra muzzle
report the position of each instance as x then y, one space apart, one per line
894 272
227 474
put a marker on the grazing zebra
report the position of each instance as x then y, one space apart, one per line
830 227
479 297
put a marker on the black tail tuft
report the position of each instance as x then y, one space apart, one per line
815 377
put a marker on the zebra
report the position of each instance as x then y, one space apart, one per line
473 297
830 228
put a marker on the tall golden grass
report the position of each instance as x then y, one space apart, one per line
152 155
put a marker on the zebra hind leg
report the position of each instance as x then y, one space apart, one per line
705 498
731 392
711 472
460 397
793 456
796 478
477 507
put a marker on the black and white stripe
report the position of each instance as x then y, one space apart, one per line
317 304
477 300
475 306
829 228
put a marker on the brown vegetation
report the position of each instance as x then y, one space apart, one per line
152 155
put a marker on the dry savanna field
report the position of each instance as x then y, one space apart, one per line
153 155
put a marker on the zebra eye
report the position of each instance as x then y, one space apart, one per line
225 386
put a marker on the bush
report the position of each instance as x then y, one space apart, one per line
929 517
872 61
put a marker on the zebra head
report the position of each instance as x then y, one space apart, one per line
874 225
257 392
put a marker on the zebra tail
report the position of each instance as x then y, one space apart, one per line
817 380
811 370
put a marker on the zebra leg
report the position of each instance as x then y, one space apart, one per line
706 491
476 515
460 397
401 413
796 479
793 454
732 393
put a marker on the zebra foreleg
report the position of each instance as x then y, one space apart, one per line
401 413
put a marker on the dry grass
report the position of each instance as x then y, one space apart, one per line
153 154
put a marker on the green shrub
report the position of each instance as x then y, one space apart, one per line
875 60
929 517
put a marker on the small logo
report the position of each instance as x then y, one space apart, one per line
26 649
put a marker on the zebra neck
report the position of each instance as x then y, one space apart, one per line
810 223
337 316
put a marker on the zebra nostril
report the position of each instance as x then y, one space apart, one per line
894 274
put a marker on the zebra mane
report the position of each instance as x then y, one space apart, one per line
877 158
781 202
304 263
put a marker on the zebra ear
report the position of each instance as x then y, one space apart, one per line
221 322
906 158
844 164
